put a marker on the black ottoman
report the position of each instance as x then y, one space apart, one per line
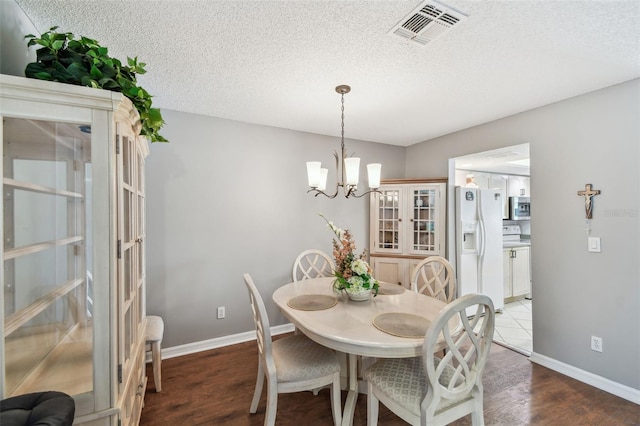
38 409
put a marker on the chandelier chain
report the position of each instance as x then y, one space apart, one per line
342 118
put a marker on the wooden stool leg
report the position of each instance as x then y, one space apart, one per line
156 360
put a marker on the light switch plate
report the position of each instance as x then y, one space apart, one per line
594 244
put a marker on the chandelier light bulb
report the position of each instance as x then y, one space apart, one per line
352 167
313 173
373 171
323 179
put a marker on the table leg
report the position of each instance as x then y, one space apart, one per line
352 395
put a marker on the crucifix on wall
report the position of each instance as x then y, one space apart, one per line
588 195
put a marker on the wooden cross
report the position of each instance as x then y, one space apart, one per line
588 195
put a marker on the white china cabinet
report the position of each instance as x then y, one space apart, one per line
407 220
73 296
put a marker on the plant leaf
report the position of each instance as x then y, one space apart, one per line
95 72
77 70
57 45
155 117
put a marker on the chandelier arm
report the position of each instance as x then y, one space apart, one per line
349 190
365 193
318 192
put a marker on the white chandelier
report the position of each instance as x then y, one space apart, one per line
347 168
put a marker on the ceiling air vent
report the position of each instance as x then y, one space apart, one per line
427 22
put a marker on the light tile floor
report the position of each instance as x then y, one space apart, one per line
513 326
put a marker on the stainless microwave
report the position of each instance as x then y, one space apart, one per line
519 208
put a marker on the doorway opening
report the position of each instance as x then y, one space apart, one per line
508 170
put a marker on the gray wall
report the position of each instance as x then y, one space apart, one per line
594 138
225 198
14 54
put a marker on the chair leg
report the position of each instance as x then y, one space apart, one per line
258 390
156 361
336 407
272 403
477 415
477 418
372 407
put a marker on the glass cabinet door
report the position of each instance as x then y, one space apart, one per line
131 309
424 207
389 212
47 276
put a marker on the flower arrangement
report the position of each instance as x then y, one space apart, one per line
353 273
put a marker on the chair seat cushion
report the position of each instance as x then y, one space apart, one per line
403 381
40 408
299 358
154 329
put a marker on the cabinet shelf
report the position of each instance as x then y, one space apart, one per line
13 253
17 319
28 186
67 368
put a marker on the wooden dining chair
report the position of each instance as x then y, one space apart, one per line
312 264
435 277
429 390
291 364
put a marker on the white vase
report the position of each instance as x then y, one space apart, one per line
361 296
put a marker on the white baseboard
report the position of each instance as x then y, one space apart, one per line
219 342
602 383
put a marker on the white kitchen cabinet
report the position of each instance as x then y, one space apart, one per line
506 274
73 248
486 180
519 186
407 220
483 180
517 272
500 182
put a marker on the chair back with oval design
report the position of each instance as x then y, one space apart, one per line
435 277
429 390
312 264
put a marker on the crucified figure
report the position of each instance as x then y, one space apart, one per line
588 195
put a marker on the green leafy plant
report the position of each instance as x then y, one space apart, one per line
84 62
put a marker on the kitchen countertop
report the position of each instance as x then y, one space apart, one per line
516 243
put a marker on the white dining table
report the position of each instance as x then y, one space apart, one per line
348 325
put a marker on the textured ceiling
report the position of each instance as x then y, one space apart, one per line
277 62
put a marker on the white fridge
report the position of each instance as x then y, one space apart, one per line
479 243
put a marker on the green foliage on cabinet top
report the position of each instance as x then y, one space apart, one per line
84 62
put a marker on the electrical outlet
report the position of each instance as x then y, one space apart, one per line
596 344
221 312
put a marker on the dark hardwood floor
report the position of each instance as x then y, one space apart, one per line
215 388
